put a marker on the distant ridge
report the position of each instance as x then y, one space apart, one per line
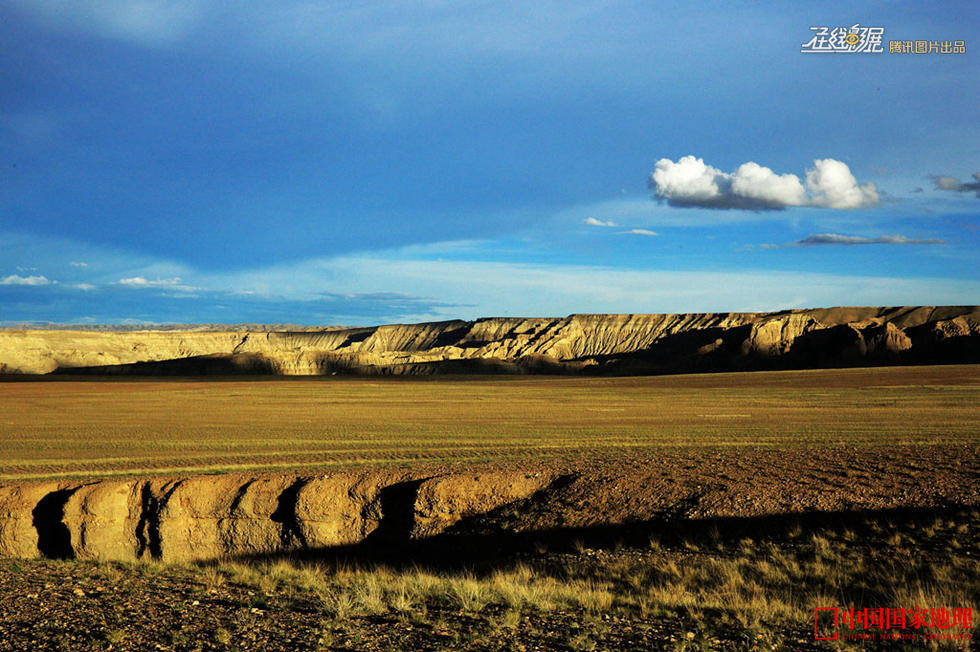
596 344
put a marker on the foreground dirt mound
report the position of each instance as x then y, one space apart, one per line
218 516
621 344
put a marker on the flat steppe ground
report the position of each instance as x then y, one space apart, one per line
694 583
96 427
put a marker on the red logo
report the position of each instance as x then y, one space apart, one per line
852 623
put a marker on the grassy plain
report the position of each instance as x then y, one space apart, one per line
686 584
98 427
718 588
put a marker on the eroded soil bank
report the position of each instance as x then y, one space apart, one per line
225 516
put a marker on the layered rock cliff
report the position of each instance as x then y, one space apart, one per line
234 515
618 344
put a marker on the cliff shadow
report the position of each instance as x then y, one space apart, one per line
484 552
218 364
695 351
53 536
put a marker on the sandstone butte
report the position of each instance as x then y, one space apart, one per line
609 344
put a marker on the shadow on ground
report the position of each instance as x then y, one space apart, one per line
470 546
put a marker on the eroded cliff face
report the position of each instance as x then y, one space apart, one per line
620 344
225 516
219 516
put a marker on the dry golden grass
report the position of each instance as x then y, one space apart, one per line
735 594
761 593
121 427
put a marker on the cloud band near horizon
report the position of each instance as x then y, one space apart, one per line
838 239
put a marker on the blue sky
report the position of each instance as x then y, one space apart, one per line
318 163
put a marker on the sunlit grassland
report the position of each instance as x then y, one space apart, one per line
711 588
116 427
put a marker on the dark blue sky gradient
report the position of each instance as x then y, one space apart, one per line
223 143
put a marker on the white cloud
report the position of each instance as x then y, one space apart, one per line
140 282
691 182
639 232
82 286
78 264
831 185
14 279
760 184
591 221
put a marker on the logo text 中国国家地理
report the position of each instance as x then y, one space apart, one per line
830 622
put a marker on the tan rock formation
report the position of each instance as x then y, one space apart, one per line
220 516
444 501
20 522
340 509
578 343
103 519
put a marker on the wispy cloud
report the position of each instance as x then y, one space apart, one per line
955 185
137 21
639 232
114 304
498 288
394 287
78 264
14 279
837 239
591 221
825 239
140 282
689 182
477 288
